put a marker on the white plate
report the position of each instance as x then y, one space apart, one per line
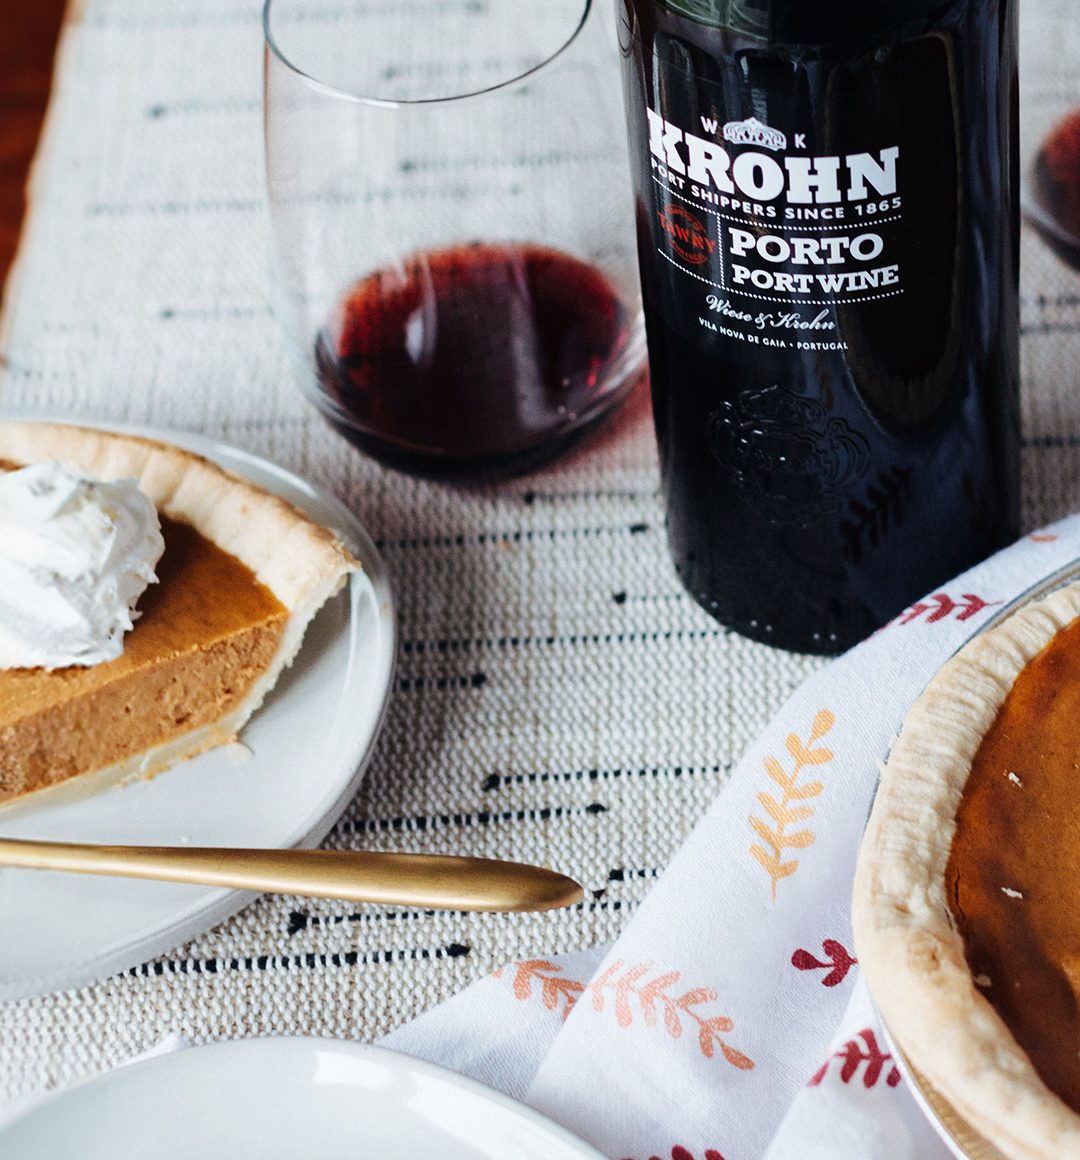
310 742
280 1099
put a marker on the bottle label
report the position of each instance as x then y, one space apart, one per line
775 235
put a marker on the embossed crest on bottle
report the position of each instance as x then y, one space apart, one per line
786 455
827 232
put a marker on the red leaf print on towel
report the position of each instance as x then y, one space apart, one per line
853 1053
654 1002
681 1153
838 958
971 605
555 988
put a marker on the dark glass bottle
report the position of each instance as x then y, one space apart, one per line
827 207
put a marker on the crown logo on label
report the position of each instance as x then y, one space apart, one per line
754 132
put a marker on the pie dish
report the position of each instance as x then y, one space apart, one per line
243 574
967 893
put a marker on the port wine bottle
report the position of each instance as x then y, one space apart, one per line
827 212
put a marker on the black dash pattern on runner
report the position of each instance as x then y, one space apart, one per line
308 962
1051 441
234 105
425 824
1047 301
533 497
300 919
593 907
622 874
170 208
437 684
481 539
467 644
1050 328
647 598
213 314
502 780
217 16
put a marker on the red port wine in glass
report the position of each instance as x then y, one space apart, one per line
1055 189
479 360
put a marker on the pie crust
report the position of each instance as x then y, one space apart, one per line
905 934
301 563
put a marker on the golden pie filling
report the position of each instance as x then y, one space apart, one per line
1013 874
207 631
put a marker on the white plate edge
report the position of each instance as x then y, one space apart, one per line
393 1060
224 903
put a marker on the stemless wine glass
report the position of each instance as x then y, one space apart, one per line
452 225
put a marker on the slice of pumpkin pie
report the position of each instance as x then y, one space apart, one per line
241 575
967 893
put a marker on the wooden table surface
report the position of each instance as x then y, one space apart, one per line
28 34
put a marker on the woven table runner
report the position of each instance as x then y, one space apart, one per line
558 698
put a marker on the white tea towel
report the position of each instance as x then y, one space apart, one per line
726 1022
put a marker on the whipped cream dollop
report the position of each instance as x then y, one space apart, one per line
75 556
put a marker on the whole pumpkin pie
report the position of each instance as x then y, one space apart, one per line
967 893
242 574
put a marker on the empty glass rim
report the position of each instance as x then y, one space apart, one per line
386 102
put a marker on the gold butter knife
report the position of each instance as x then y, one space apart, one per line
432 881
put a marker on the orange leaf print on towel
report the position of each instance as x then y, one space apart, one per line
786 811
656 1004
555 988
